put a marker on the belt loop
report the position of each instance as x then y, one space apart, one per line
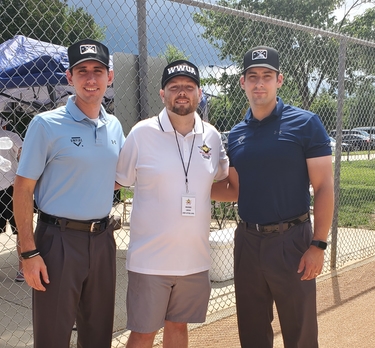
62 225
281 227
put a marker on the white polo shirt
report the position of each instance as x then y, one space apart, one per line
162 240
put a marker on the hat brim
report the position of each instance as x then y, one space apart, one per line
177 75
85 60
261 66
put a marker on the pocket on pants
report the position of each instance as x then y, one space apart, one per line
45 235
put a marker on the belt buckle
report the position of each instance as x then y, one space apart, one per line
92 227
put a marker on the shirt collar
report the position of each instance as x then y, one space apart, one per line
166 124
276 113
79 116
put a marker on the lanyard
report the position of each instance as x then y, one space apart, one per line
186 169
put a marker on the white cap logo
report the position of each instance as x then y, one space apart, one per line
259 54
85 49
178 68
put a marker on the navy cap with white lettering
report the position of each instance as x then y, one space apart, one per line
261 56
88 49
180 68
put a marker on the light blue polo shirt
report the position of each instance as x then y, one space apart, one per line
73 160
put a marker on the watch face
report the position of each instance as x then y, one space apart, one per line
320 244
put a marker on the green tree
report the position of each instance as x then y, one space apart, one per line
362 26
80 25
360 58
361 107
325 105
172 53
309 62
47 20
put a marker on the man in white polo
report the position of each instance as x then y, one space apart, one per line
172 159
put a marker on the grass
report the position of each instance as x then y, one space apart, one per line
125 192
357 194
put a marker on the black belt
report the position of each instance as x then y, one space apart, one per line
278 227
85 226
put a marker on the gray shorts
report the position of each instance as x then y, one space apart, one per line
152 299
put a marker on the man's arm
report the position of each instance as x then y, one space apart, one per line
321 178
23 206
226 190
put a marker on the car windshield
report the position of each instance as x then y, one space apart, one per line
364 133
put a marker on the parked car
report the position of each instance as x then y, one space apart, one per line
344 146
358 142
369 130
333 144
332 133
363 132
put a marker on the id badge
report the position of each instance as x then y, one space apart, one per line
188 205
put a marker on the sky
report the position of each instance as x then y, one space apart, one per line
164 27
355 12
168 23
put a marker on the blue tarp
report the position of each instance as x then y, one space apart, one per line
32 73
25 62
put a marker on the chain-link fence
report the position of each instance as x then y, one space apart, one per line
328 73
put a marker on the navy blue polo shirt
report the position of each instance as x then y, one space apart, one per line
270 158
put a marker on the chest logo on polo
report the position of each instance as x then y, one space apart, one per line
241 139
205 151
77 141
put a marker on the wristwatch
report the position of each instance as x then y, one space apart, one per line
320 244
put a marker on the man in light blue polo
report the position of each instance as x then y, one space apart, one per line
69 164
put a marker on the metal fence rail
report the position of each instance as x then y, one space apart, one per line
327 72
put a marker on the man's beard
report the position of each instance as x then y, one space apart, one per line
182 110
185 109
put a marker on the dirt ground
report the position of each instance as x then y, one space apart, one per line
346 314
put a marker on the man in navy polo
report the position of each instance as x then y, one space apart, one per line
275 153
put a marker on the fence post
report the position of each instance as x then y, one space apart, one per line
340 111
142 59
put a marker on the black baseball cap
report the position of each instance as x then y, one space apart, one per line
180 68
88 49
261 56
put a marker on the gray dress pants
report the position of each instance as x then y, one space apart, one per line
82 273
265 272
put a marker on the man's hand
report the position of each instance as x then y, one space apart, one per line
34 271
312 262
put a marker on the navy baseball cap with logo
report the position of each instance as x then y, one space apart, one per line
261 56
180 68
88 49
